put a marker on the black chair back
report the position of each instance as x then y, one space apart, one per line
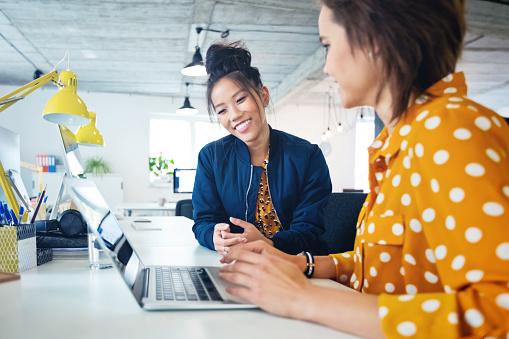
341 215
185 208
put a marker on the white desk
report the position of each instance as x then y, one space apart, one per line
64 299
130 207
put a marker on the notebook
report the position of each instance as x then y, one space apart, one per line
153 287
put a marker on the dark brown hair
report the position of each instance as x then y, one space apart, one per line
418 42
232 61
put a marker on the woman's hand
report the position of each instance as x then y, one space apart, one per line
224 240
269 279
251 233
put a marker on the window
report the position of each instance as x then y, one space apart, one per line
181 138
364 135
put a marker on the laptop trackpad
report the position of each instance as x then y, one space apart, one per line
221 284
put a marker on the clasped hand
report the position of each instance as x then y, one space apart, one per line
224 240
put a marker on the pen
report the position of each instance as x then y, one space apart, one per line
21 210
13 217
3 221
7 215
37 207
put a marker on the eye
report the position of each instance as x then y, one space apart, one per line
240 100
326 50
221 111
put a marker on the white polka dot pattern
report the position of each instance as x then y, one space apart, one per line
432 123
483 123
441 157
458 262
503 251
462 134
436 247
452 317
431 305
473 234
502 300
407 328
493 209
474 318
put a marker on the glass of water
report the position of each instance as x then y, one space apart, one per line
97 256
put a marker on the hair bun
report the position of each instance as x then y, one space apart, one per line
222 59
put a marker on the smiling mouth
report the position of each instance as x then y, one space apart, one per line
242 125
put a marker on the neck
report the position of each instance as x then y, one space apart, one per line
385 110
259 148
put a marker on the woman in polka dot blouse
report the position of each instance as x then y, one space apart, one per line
431 256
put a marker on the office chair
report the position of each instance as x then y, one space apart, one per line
341 215
185 208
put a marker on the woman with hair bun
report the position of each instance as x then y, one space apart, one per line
257 183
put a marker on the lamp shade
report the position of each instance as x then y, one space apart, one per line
196 67
88 135
66 107
187 109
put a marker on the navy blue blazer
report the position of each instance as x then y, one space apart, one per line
226 185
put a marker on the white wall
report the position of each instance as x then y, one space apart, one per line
308 122
124 122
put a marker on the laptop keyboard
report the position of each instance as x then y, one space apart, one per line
185 283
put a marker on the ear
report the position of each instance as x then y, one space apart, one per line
265 96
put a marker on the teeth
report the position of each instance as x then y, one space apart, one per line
244 124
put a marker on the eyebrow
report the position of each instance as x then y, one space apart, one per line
234 94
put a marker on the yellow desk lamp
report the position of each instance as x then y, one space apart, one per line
65 108
88 135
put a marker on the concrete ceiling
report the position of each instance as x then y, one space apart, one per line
139 47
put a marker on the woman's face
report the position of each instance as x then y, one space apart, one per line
353 69
238 113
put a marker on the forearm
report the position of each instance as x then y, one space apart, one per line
345 311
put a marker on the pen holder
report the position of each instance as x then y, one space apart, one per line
17 248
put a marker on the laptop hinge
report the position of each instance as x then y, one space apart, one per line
145 283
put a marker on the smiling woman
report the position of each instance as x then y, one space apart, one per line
257 183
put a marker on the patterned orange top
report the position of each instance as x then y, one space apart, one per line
266 217
433 235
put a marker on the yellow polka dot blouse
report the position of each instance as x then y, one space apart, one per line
266 218
433 235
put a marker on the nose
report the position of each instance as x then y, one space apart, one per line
325 71
235 113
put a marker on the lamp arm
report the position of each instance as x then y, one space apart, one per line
9 99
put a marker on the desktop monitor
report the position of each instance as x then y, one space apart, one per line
10 158
183 180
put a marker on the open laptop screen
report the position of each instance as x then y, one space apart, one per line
106 228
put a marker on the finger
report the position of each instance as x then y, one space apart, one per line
233 239
236 278
240 222
238 253
240 267
229 235
221 227
241 292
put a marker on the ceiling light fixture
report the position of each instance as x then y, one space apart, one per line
187 109
196 67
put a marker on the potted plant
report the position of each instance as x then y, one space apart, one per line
97 166
161 167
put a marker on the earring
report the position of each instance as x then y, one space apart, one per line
370 55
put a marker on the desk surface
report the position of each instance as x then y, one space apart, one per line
64 299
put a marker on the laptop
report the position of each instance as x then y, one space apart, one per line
153 287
